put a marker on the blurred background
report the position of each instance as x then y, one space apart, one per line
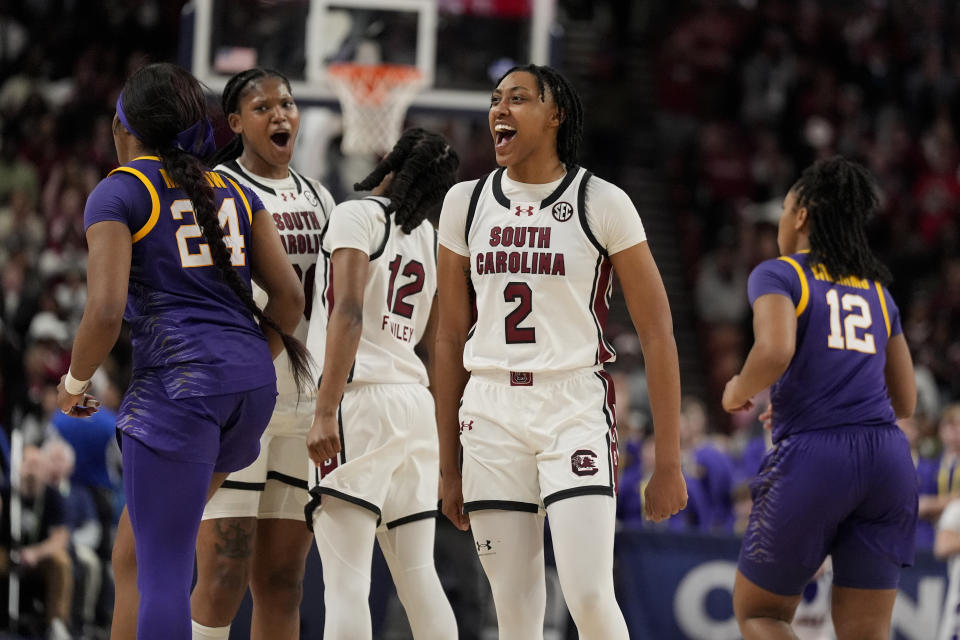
703 111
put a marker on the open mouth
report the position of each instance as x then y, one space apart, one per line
281 138
503 133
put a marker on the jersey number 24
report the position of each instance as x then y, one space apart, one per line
231 235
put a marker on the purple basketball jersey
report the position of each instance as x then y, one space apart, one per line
185 320
836 377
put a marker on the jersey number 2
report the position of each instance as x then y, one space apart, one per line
231 235
513 332
859 318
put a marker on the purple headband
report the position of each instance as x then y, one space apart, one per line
197 139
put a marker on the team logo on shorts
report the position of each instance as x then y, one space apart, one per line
584 462
562 211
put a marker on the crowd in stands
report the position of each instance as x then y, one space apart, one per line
747 95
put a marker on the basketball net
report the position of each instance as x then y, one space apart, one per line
374 99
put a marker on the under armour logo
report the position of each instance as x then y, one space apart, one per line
521 209
484 546
284 196
466 425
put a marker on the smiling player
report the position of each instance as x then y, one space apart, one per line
538 240
253 528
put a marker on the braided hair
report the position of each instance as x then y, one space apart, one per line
236 88
570 134
424 167
839 196
161 100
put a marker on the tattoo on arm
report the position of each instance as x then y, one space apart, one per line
234 539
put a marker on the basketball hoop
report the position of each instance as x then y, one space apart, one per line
374 99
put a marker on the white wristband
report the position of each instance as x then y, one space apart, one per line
73 386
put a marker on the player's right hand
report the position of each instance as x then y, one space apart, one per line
451 499
323 441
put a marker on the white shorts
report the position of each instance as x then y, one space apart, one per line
275 485
389 457
532 439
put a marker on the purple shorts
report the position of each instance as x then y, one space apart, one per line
850 492
222 430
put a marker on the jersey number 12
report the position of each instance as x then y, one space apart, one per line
859 318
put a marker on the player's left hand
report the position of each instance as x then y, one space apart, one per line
732 403
323 441
79 405
665 495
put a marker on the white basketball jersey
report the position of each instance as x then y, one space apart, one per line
542 280
300 209
401 285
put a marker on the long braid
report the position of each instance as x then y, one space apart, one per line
840 195
188 173
424 167
160 106
570 133
233 92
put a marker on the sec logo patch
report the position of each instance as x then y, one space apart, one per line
562 211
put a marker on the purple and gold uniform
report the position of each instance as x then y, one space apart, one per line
193 339
840 479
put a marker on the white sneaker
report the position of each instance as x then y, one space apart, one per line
58 630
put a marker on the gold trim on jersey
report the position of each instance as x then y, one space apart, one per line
804 288
146 158
154 200
883 306
243 197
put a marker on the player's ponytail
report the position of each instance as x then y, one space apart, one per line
424 167
840 195
233 93
159 105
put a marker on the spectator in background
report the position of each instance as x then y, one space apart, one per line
45 567
86 533
708 465
695 517
93 442
721 283
947 548
20 226
940 482
16 173
926 477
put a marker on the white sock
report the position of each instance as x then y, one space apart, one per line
583 529
510 546
58 630
408 550
201 632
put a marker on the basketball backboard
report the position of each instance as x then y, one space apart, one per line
460 46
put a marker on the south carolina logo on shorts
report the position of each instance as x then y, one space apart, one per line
584 462
562 211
